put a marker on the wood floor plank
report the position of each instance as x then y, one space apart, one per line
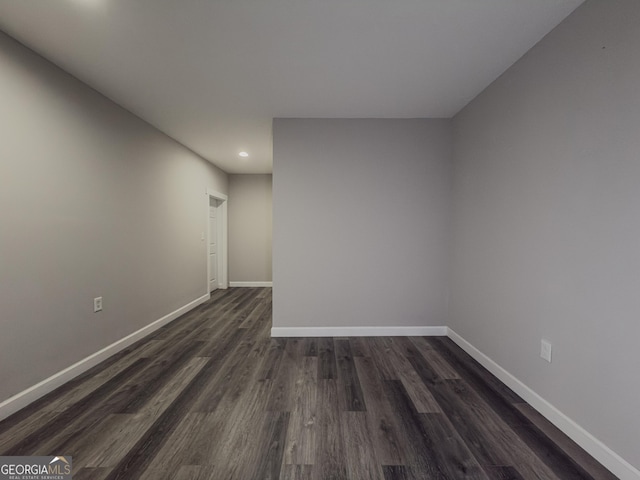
248 310
359 451
261 308
222 302
421 455
222 343
558 461
91 474
452 454
536 442
487 435
242 434
140 456
185 446
264 293
273 357
330 455
503 473
359 347
245 304
475 375
390 446
350 393
328 404
142 453
440 451
18 431
300 448
195 472
559 439
311 347
114 437
52 429
492 441
240 371
266 462
203 432
397 472
475 422
327 368
60 404
135 392
296 472
380 348
154 378
129 428
419 393
230 358
464 364
435 360
280 399
205 316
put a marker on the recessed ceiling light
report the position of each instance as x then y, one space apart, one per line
243 154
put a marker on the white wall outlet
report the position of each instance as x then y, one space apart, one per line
545 350
202 236
97 304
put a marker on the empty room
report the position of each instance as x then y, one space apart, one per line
299 239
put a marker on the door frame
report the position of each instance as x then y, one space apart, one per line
222 229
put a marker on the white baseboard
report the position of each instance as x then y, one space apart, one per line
598 450
31 394
358 331
251 284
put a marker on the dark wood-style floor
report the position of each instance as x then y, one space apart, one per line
212 396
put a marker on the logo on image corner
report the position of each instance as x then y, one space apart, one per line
35 468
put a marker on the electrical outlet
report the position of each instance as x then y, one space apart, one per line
97 304
545 350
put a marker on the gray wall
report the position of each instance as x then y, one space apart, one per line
546 222
250 228
94 202
361 212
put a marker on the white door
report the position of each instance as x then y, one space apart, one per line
213 244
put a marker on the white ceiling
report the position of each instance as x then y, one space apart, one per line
213 73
